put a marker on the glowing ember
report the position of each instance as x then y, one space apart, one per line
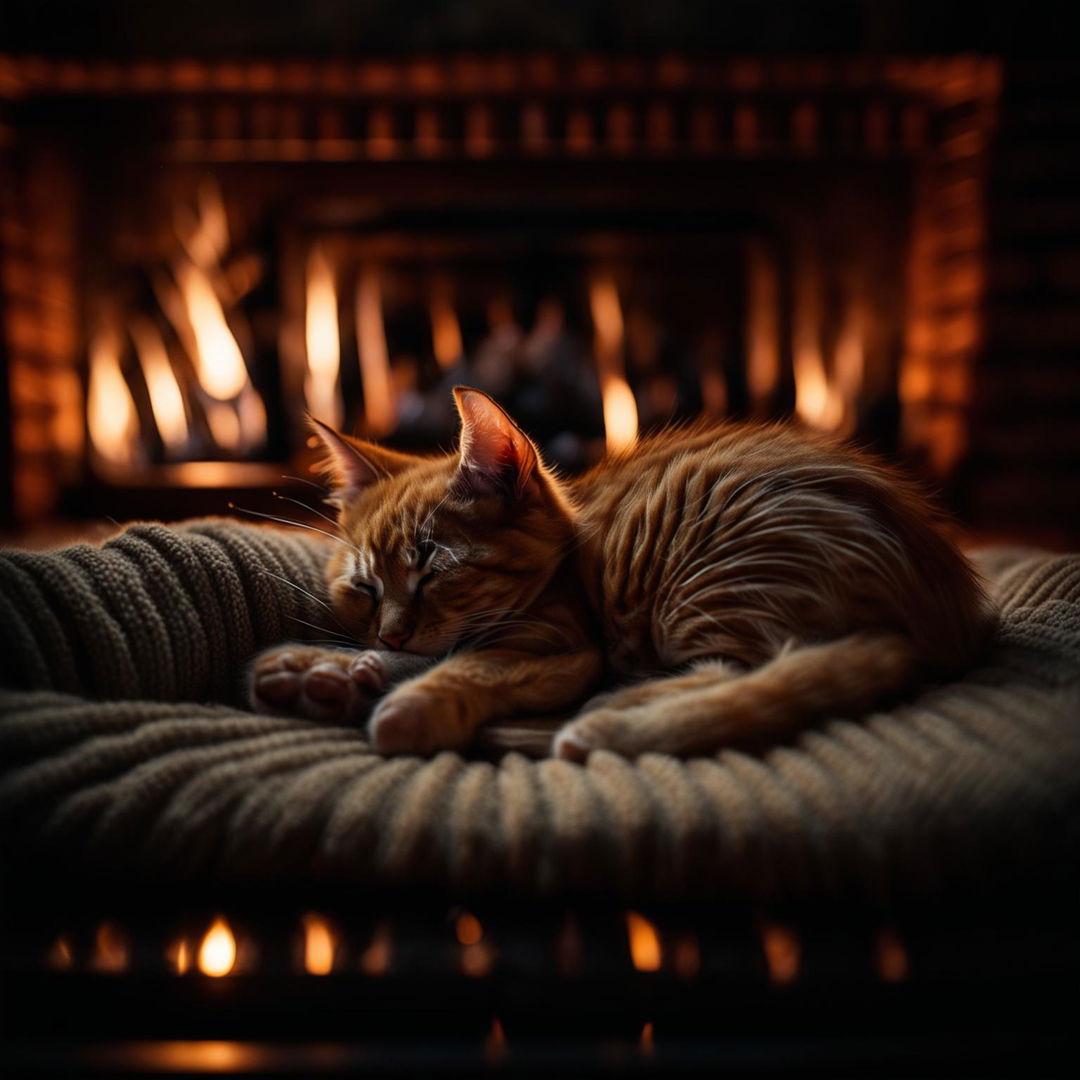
218 360
477 957
111 415
620 408
495 1043
323 342
644 942
890 957
376 957
763 321
319 944
60 957
379 412
445 330
217 953
468 929
166 401
648 1040
178 956
783 953
110 949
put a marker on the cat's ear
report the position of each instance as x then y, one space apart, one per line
354 464
497 457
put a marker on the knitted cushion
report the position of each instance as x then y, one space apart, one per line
126 749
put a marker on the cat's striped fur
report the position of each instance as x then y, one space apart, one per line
733 583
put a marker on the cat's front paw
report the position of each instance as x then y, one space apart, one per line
414 720
321 684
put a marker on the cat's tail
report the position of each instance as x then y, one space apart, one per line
715 705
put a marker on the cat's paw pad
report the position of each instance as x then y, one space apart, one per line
369 671
306 681
595 730
416 722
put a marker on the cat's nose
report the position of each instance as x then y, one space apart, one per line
394 639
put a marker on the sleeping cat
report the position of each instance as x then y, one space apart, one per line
735 584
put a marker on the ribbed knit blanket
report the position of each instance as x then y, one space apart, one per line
126 748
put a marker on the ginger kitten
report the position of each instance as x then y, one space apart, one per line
735 584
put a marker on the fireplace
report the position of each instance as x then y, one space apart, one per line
198 253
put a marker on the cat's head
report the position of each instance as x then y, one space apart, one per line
437 549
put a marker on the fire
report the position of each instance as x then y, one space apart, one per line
178 956
890 957
376 957
217 953
60 956
166 400
648 1040
783 953
218 360
644 942
763 321
476 954
817 403
495 1043
620 408
445 330
111 949
320 942
323 341
111 415
380 414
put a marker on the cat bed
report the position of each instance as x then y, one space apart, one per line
127 750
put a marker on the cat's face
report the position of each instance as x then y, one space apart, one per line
437 550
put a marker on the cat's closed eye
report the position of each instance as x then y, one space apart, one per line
365 587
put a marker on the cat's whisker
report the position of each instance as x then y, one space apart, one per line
293 524
326 630
304 506
300 589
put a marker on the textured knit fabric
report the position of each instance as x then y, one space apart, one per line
126 749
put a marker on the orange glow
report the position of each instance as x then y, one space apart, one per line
445 330
218 360
206 236
763 320
890 957
687 958
648 1040
644 942
468 929
816 403
495 1043
110 410
323 342
376 957
166 401
59 956
380 413
111 949
320 942
217 953
620 408
224 424
783 953
178 956
477 957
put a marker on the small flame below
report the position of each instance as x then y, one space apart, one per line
445 329
890 957
620 408
178 956
217 953
320 942
648 1040
59 956
644 942
783 953
376 957
323 341
380 414
110 411
110 949
476 954
495 1043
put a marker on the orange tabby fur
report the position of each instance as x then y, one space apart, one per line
737 583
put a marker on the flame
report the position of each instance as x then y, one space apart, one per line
495 1043
323 342
644 942
218 360
376 957
206 237
648 1040
178 956
783 953
620 408
60 956
476 955
445 329
763 323
319 944
379 410
110 410
817 403
166 401
890 957
110 949
217 953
